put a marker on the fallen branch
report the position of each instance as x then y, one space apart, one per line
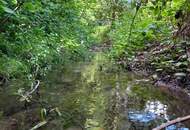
180 119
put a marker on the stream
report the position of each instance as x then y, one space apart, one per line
95 95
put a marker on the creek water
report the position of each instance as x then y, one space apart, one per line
96 95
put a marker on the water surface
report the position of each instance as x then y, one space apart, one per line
96 95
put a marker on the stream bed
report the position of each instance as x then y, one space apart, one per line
96 95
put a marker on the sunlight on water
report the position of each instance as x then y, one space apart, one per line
157 108
90 70
154 111
143 117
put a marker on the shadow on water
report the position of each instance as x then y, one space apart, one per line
98 95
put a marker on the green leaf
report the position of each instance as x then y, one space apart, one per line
32 7
8 10
3 2
14 2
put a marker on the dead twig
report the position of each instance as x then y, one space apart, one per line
26 95
34 88
180 119
39 125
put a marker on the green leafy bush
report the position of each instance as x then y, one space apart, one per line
35 35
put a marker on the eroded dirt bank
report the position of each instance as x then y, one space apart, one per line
166 65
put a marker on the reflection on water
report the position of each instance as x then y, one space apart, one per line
176 127
100 96
143 117
153 113
157 108
153 110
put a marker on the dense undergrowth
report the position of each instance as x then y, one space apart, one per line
38 34
35 35
154 37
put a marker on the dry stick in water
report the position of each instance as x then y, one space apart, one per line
180 119
34 88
